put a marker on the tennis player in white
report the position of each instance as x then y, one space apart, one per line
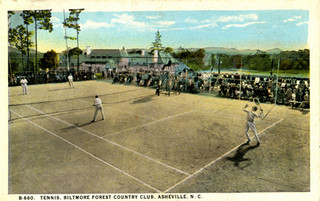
24 86
98 105
70 80
250 122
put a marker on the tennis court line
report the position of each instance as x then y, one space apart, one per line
152 122
211 163
95 135
90 154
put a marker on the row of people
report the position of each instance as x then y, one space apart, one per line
50 77
282 90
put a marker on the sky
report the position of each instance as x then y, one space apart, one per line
252 29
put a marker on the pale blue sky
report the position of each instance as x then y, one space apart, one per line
254 29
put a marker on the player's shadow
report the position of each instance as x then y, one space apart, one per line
305 111
143 100
77 125
241 151
60 89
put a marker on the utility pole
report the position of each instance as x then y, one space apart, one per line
65 36
276 90
219 63
240 77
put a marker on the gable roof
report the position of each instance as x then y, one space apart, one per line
105 52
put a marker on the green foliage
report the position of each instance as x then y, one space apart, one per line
168 50
10 13
259 61
72 20
13 63
19 37
157 45
41 20
99 76
42 17
71 38
73 51
49 60
27 16
193 60
296 60
135 52
289 60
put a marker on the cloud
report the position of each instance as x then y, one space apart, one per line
237 18
55 19
153 17
165 23
94 25
212 25
128 20
302 23
294 18
57 26
243 25
190 20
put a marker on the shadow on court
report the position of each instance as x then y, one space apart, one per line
76 125
60 89
239 156
144 99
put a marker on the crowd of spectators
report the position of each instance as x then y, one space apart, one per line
268 89
49 77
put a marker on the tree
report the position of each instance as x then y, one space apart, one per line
72 52
157 45
72 22
213 61
13 63
192 59
168 50
18 38
12 33
135 52
27 20
49 60
41 18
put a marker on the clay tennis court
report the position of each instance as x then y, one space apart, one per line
150 144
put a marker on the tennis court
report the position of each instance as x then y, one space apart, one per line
150 144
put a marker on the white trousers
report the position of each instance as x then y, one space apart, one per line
253 128
24 89
71 84
98 107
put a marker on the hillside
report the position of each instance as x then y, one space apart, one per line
233 51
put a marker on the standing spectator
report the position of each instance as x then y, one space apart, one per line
24 86
70 80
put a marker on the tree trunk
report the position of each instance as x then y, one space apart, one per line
36 41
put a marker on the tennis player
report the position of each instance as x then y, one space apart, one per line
98 106
24 86
70 80
250 122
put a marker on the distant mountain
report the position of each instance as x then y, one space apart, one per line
208 50
232 51
15 50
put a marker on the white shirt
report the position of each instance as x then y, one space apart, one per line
24 81
252 115
70 77
97 102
